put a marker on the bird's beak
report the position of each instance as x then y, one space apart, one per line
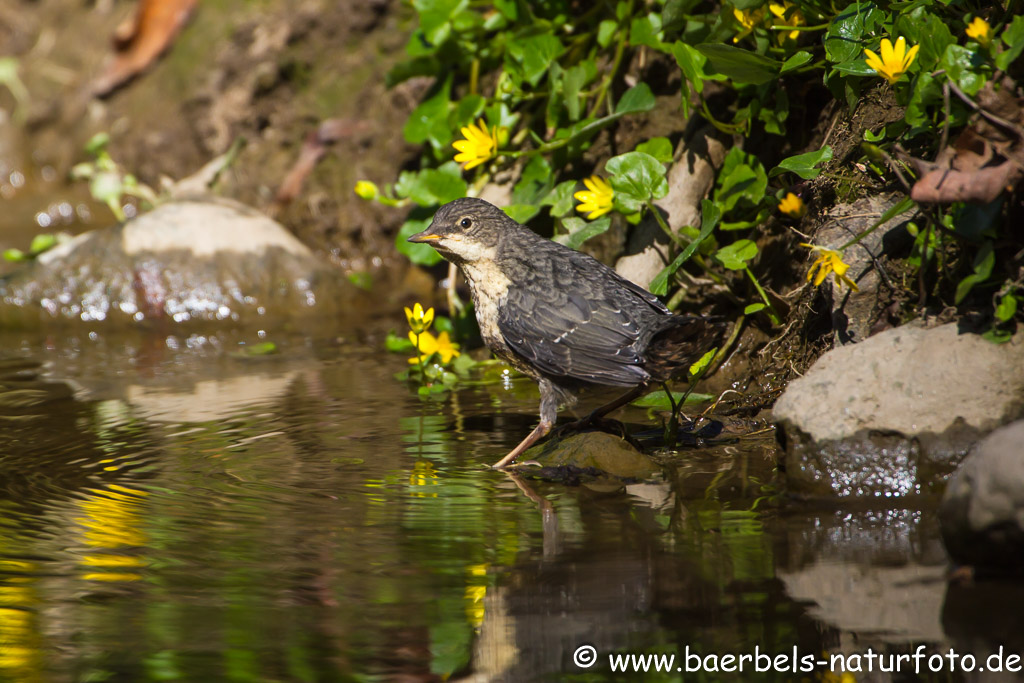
425 236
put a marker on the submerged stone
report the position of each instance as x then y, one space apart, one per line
893 415
595 453
209 260
982 513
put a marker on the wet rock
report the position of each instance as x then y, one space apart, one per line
184 261
593 454
982 512
893 415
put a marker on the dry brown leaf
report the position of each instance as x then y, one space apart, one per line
313 149
140 40
950 185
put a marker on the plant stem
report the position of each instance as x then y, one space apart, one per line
764 297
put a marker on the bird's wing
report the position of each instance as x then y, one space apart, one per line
569 320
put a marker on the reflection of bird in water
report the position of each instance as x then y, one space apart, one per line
560 316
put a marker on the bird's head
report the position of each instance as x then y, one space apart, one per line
466 230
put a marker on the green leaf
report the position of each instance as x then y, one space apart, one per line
580 230
742 178
636 177
560 199
15 255
796 61
436 16
673 17
983 262
923 28
605 31
803 164
692 63
573 81
844 38
424 65
962 65
646 31
742 66
419 254
535 54
429 120
926 94
1013 36
637 99
710 215
1007 308
753 308
42 242
467 110
855 67
432 186
698 367
521 213
534 183
659 399
659 148
736 255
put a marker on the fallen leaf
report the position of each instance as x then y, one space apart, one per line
141 39
313 149
950 185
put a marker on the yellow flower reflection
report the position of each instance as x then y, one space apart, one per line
112 524
479 145
829 261
792 206
429 345
749 20
597 198
895 60
419 322
422 479
980 30
476 591
796 18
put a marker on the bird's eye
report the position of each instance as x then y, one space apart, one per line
466 222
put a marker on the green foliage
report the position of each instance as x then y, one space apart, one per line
108 182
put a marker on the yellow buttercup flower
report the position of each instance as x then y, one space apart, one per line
366 190
980 30
479 145
829 261
792 206
419 322
796 18
749 20
427 344
895 60
597 198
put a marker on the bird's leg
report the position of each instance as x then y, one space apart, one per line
548 415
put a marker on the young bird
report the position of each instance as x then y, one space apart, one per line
560 316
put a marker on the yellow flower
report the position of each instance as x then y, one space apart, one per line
366 190
796 18
428 345
749 20
829 261
980 30
792 206
479 145
894 61
597 198
419 321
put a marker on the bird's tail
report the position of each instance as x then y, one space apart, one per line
680 343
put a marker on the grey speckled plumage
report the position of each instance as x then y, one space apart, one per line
558 315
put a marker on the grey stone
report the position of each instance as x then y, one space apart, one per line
894 414
982 512
855 312
184 261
